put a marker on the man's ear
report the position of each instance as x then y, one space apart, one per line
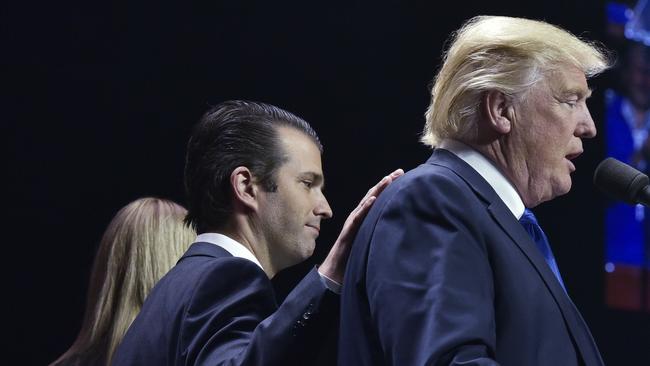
499 111
245 191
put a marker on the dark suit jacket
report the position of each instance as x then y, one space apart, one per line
216 309
442 273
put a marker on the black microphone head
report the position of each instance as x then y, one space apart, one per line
619 180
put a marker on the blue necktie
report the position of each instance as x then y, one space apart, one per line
529 222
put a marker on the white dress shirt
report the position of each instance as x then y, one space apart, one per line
229 245
240 251
501 185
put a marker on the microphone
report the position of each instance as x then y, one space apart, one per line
622 182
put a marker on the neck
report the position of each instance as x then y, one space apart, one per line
497 152
245 232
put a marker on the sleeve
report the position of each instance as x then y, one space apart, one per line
233 318
332 285
429 280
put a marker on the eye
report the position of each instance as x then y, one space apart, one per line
571 103
307 183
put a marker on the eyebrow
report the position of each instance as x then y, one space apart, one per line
579 92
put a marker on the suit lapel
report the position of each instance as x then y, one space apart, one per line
576 325
504 218
520 237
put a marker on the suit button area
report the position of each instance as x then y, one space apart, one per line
302 321
297 327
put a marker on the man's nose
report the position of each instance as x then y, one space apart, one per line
323 208
586 128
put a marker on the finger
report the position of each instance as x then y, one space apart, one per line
366 205
360 213
379 187
383 183
397 173
354 220
372 191
361 203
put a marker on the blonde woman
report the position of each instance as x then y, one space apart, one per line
142 242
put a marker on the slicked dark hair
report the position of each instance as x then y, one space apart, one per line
232 134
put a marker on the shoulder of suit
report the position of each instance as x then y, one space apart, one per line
427 189
226 264
429 181
221 278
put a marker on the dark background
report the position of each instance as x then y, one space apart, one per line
98 99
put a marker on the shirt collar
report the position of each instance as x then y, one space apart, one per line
501 185
231 246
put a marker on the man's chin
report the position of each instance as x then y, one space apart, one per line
306 250
547 193
310 251
561 189
566 186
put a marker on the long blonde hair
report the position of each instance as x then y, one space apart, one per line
499 53
142 242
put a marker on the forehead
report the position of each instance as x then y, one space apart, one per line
568 81
301 152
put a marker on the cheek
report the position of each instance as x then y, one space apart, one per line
556 161
546 163
558 141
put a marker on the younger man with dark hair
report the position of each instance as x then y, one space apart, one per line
254 182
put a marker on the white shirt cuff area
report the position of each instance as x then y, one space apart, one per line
330 284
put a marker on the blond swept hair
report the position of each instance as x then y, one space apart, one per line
142 242
499 53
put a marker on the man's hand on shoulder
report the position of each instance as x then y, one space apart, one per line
333 267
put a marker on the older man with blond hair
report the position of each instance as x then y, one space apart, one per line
450 267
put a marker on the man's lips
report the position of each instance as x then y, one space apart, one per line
315 227
574 155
